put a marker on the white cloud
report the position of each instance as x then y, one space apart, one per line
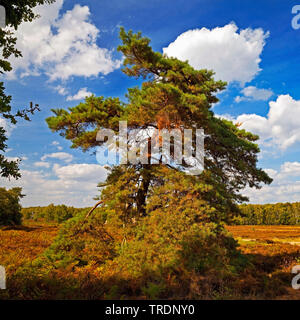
284 188
83 172
280 128
253 93
17 158
7 126
61 90
290 169
61 46
233 55
81 94
56 144
42 164
73 185
58 155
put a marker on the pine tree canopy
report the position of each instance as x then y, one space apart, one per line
172 95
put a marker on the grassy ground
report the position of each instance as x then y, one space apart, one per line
23 244
273 250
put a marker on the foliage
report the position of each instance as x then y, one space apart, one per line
51 213
10 208
17 11
159 228
269 214
174 95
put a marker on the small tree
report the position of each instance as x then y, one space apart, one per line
10 208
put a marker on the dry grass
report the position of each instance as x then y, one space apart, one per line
272 233
273 251
23 244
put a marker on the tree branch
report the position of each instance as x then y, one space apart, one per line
92 210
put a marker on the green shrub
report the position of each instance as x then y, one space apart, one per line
10 208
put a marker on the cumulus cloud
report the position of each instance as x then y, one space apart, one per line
285 187
234 55
58 155
253 93
83 172
61 46
81 94
42 164
73 185
280 128
290 169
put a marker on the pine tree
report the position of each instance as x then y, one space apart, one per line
159 228
173 95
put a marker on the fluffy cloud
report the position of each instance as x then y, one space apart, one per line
290 169
82 172
285 187
234 55
81 94
253 93
62 46
280 128
58 155
73 185
42 164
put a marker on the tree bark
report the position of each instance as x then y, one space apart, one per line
92 210
142 196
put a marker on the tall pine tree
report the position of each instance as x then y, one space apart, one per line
159 232
173 95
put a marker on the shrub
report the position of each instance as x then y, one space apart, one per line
157 256
10 208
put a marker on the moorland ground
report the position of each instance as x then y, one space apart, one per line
273 251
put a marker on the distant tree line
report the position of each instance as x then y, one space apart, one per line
51 213
269 214
251 214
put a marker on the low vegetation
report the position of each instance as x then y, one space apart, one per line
271 252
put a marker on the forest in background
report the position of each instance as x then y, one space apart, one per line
251 214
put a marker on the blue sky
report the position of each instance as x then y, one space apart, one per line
70 52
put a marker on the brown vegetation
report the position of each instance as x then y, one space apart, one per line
273 251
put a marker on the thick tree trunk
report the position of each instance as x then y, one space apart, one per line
142 195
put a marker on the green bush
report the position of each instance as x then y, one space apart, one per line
10 208
163 255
